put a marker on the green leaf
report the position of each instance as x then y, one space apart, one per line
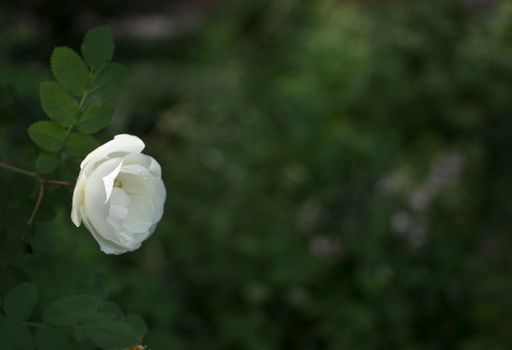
57 103
72 311
108 81
110 311
112 334
46 162
79 145
69 70
48 135
96 117
20 301
47 338
137 323
14 336
98 46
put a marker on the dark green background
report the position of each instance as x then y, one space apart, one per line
338 173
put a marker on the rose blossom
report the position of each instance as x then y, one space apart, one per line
119 194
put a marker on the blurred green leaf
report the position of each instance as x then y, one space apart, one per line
98 46
72 311
137 323
47 338
69 70
57 103
112 334
46 162
79 145
48 135
108 81
20 301
96 117
14 336
110 311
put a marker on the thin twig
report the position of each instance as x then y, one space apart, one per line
40 195
36 176
57 182
18 170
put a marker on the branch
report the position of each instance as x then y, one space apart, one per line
36 176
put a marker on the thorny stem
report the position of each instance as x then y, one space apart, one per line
39 179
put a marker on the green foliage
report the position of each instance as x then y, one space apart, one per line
20 301
77 108
112 334
91 111
72 311
14 335
58 104
50 136
137 323
46 162
69 70
47 338
98 46
107 82
79 145
96 117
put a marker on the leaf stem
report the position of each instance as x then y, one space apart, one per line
82 101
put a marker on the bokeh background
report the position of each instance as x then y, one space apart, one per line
338 172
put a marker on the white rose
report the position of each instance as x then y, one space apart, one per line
119 194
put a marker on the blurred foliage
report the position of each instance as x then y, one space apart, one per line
338 177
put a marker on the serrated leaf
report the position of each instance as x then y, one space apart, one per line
57 103
20 301
96 117
108 81
46 162
112 334
79 145
137 323
70 70
14 335
98 46
72 311
48 135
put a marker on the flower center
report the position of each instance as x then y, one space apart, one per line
118 183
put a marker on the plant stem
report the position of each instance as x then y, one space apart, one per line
40 195
82 101
39 179
57 182
4 165
16 169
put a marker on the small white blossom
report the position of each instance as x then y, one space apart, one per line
119 195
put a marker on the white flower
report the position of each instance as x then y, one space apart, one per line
119 194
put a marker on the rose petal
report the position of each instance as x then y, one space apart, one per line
78 199
96 195
121 145
146 161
